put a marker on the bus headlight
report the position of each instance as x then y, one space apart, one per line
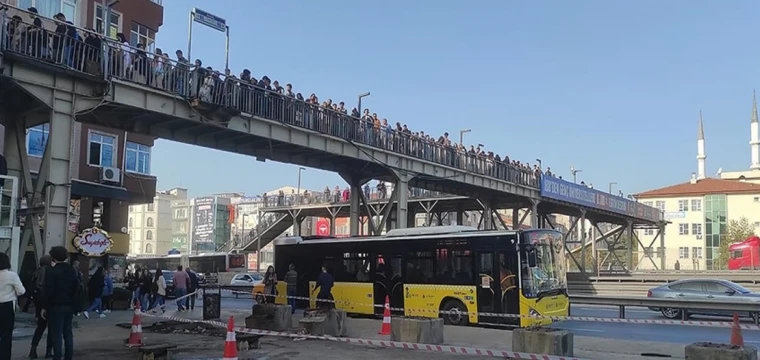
532 312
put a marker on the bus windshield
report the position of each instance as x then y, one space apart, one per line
547 275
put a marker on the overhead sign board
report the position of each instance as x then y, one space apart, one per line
93 242
556 189
209 20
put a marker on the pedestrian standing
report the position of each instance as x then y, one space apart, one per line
160 286
133 285
38 281
291 278
270 285
145 283
107 292
10 289
95 290
324 285
181 280
192 289
60 302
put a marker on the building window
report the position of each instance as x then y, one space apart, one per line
138 158
150 207
683 253
180 213
149 235
660 205
130 235
142 35
101 151
696 252
696 205
36 140
129 223
649 232
683 229
696 229
683 205
148 248
115 26
149 222
49 8
648 203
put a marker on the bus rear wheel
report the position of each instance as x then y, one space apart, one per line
455 313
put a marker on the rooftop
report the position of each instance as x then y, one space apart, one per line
702 187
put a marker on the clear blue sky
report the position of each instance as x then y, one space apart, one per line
612 87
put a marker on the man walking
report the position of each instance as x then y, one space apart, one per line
60 302
291 278
181 280
194 285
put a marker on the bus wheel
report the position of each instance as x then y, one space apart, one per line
671 313
455 313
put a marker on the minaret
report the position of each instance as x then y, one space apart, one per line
754 136
701 149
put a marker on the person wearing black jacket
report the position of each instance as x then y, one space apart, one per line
60 302
38 284
145 282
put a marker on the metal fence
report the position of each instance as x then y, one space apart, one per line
54 42
338 196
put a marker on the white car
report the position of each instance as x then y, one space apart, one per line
251 279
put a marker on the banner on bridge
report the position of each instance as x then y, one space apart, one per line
581 195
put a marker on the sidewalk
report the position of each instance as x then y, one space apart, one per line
97 338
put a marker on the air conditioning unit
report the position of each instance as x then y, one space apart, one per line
110 175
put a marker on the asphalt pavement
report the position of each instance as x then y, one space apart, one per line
679 334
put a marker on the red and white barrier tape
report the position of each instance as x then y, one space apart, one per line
721 324
459 350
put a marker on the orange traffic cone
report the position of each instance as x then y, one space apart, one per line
736 332
135 335
386 329
230 345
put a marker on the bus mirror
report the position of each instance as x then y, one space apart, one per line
532 261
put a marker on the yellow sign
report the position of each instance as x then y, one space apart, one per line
93 242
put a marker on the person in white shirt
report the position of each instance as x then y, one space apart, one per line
10 289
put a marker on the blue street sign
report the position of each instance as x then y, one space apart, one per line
209 20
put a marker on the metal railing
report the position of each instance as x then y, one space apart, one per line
265 224
89 53
338 197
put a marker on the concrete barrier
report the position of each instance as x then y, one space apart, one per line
270 317
543 341
711 351
417 330
330 322
314 325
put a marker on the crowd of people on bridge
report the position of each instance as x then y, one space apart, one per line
90 52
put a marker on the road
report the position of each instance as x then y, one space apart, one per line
649 332
635 332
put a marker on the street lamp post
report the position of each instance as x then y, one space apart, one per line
575 172
612 183
461 135
298 192
540 164
359 105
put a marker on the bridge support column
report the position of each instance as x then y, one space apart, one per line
630 244
663 259
534 214
356 200
487 216
333 215
584 239
460 215
401 188
58 169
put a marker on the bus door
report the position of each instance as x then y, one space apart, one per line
509 292
388 281
489 295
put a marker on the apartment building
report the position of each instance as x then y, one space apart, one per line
113 168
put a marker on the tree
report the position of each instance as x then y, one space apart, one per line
738 231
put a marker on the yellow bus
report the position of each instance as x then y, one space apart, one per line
427 270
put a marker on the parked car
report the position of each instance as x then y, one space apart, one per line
247 279
702 289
